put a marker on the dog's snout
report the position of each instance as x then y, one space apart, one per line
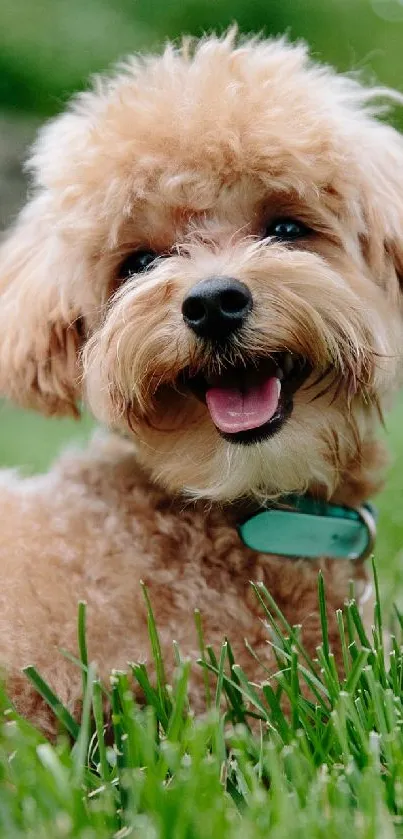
216 307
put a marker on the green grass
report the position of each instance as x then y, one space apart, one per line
30 441
331 766
389 547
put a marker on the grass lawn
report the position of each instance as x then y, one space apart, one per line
333 767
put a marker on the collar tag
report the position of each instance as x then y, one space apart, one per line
302 527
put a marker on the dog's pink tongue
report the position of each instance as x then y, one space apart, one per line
233 409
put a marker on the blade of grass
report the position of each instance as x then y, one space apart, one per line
323 616
226 679
157 654
378 610
234 696
82 641
356 671
100 730
202 649
220 675
77 661
293 636
151 695
80 750
119 733
342 634
59 710
356 617
178 715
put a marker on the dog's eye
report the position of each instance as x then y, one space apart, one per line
287 229
136 263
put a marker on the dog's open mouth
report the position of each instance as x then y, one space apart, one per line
250 402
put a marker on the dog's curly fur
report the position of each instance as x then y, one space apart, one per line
192 154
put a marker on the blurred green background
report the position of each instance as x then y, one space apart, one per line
49 48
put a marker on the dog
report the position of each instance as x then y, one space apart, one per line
211 261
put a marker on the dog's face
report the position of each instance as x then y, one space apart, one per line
211 261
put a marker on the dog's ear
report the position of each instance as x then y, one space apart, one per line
39 328
381 191
394 250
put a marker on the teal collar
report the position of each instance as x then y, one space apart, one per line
302 527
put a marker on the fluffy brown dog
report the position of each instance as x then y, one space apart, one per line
210 259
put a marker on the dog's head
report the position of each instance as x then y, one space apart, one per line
211 260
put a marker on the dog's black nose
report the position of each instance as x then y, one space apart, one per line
216 307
